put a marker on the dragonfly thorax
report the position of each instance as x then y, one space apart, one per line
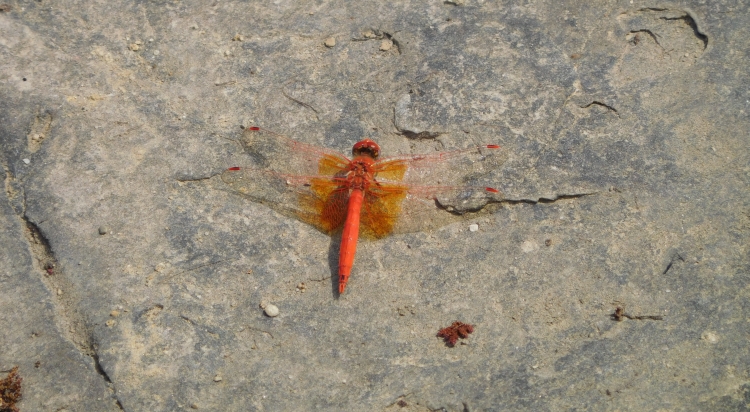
360 172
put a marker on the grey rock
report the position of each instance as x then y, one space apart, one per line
626 185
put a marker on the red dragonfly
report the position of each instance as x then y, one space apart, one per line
366 194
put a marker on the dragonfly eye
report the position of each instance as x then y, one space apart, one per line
366 148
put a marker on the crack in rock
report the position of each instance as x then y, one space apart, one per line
72 324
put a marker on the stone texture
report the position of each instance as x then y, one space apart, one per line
626 184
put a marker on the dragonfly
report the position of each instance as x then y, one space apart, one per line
366 194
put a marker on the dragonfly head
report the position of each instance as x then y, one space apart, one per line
366 148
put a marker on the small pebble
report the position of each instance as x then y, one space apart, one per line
710 337
330 42
271 311
473 227
27 161
103 230
386 45
217 378
134 47
114 313
369 34
110 323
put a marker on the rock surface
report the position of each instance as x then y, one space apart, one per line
626 185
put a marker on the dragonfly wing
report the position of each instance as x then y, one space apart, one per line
467 167
426 191
273 151
317 200
381 209
430 207
398 208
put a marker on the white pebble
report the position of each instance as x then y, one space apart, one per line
271 311
473 227
27 161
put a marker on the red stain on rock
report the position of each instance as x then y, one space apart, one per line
10 391
457 330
